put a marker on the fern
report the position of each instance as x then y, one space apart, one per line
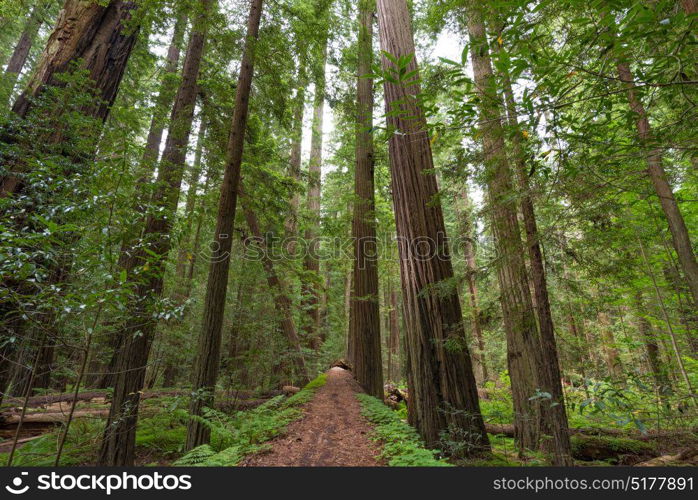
244 433
198 456
402 446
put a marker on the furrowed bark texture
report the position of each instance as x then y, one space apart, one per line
443 393
209 346
96 36
364 317
554 412
523 347
118 442
660 181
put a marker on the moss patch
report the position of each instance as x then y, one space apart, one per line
593 448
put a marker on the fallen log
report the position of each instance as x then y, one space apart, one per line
290 390
341 363
53 417
664 460
508 431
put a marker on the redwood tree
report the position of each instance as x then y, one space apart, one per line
364 317
443 393
209 345
101 37
311 262
523 347
147 267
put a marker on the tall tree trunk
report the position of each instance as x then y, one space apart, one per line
281 299
24 44
470 278
658 176
524 355
364 317
550 379
291 223
184 255
93 34
667 320
144 185
443 392
394 337
148 270
163 103
311 262
209 345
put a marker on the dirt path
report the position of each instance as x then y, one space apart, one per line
331 433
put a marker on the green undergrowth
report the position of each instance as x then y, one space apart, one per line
233 437
402 446
80 446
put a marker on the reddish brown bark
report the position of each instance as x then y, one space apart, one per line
311 263
364 317
281 298
94 34
470 278
24 44
291 223
147 267
523 346
209 345
185 253
554 411
443 392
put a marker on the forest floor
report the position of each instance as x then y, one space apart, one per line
331 432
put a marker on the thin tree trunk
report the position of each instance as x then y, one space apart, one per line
94 34
675 220
394 337
524 356
443 391
672 335
24 44
311 263
163 101
148 270
78 382
550 378
470 275
209 345
184 255
144 185
197 241
291 223
364 317
651 348
281 299
608 346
